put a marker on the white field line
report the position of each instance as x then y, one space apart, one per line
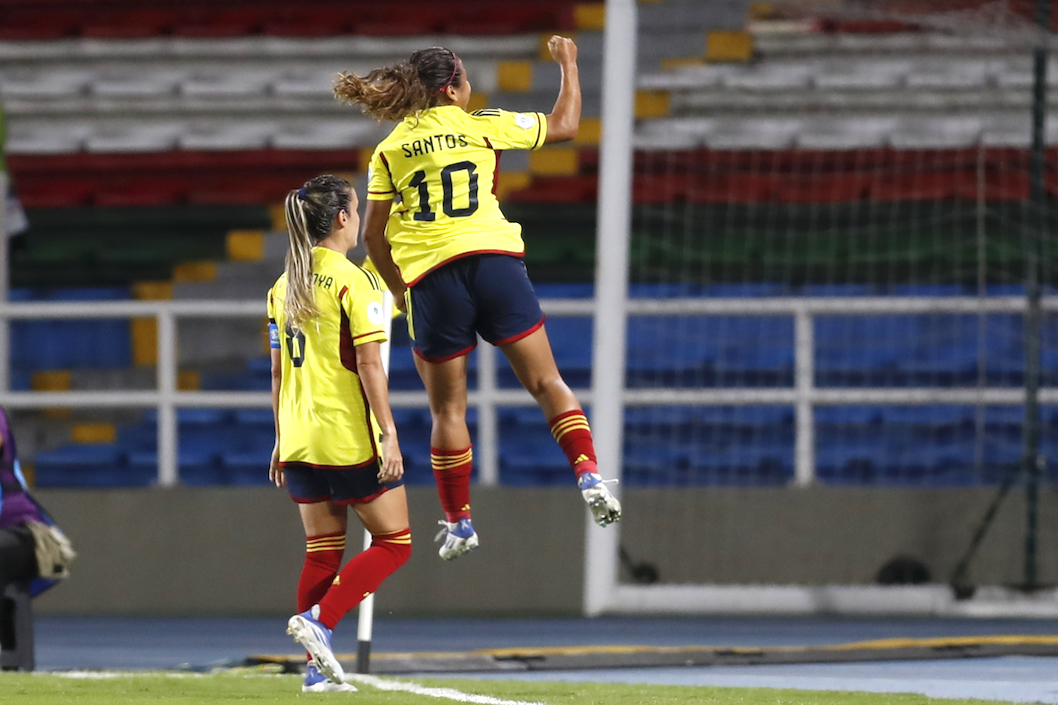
446 693
103 675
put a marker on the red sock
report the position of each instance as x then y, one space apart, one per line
573 434
363 574
323 557
451 469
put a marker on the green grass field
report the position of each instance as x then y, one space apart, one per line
259 686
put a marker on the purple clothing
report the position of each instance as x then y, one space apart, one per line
16 506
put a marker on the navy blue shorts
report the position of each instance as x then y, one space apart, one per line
308 485
486 294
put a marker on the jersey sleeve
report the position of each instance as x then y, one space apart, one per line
362 302
379 180
273 329
507 130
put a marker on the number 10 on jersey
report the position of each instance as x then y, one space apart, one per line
426 212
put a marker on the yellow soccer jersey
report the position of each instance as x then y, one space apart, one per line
442 164
324 417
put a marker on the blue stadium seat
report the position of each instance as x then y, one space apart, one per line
246 467
564 290
88 466
531 457
402 373
193 417
747 290
197 467
927 290
254 417
666 290
835 290
848 415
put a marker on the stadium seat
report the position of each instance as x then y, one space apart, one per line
87 466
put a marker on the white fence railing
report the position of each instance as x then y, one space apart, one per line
803 395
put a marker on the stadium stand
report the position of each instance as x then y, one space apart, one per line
228 107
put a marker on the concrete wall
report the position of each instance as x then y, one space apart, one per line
238 551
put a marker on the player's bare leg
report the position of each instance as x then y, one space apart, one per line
534 364
451 456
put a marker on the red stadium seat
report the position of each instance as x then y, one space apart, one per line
659 188
231 22
128 24
56 192
1000 186
142 192
821 188
730 188
919 186
44 23
557 189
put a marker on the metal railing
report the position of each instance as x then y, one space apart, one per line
803 395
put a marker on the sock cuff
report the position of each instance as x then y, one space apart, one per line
402 537
325 542
443 459
569 421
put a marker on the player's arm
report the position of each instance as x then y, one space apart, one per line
376 215
564 120
376 388
275 473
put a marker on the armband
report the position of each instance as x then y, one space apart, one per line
273 336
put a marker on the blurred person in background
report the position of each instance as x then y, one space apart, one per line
336 443
32 548
14 217
434 230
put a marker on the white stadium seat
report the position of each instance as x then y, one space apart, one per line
847 132
937 132
134 138
223 136
132 83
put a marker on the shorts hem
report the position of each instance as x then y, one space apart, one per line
516 338
314 500
436 360
362 500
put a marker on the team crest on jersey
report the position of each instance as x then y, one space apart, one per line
374 313
524 121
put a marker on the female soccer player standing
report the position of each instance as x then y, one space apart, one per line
336 443
448 253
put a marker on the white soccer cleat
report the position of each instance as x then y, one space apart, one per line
459 538
605 508
316 638
316 682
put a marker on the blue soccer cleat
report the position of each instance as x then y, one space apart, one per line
605 509
459 538
316 682
316 638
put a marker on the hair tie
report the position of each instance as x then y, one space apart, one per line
455 70
302 194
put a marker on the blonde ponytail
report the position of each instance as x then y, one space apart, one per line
300 304
311 212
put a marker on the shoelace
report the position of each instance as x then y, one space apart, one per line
611 481
444 530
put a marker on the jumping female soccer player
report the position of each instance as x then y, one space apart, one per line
434 230
336 443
